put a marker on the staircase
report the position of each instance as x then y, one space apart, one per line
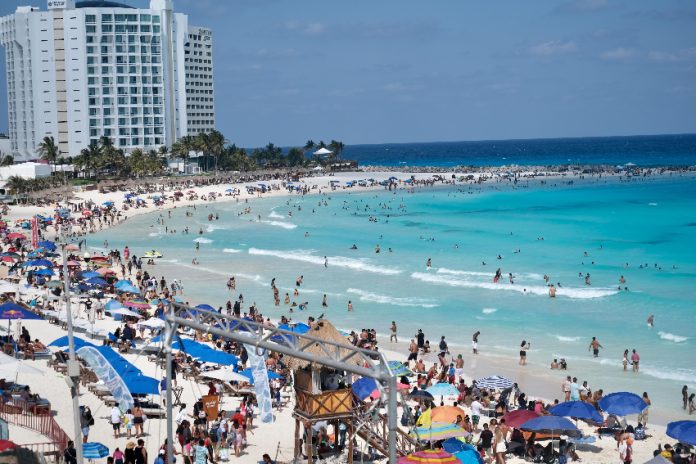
374 429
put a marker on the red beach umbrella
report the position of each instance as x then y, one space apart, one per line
516 418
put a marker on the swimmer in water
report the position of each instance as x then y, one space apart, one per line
429 263
651 321
354 247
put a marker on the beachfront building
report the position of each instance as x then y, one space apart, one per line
81 70
199 81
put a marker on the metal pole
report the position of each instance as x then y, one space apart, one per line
391 417
73 366
168 338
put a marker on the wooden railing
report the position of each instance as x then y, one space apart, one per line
25 414
374 429
328 403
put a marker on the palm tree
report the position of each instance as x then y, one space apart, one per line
216 145
48 150
295 157
17 185
88 158
309 146
6 160
182 147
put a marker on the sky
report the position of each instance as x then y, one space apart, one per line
366 71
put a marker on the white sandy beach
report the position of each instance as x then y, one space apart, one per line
276 438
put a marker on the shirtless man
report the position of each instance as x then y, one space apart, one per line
459 367
412 351
392 337
595 346
474 341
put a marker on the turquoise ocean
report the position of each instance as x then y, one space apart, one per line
643 229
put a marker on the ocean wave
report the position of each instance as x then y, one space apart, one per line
275 215
488 310
154 234
672 337
522 275
231 250
563 338
574 293
652 204
307 256
680 375
392 300
203 240
284 225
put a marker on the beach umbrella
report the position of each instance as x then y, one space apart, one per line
127 289
72 247
105 271
206 307
47 244
551 425
7 445
465 452
97 281
684 431
73 263
577 410
112 304
436 456
38 263
152 323
94 450
45 272
16 235
421 395
437 431
11 367
108 203
89 274
399 369
366 387
137 304
443 389
658 460
10 254
62 342
622 403
226 375
122 283
446 414
494 382
518 417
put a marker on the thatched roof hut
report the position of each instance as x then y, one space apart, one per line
324 330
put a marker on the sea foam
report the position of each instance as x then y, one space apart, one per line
672 337
452 281
284 225
203 240
488 310
392 300
308 256
231 250
275 215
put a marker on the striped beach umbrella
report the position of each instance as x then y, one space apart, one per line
437 431
437 456
494 382
94 450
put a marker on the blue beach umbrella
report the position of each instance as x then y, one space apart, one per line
551 425
622 403
45 272
442 389
108 203
97 281
93 450
47 244
62 342
206 307
90 274
577 410
127 289
465 452
365 387
684 431
38 263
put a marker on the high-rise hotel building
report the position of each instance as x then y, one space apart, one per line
82 70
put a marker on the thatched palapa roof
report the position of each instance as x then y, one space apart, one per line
324 330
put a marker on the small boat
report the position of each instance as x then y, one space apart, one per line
152 254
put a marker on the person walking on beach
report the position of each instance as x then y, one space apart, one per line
566 388
412 352
635 359
392 337
685 396
643 416
474 341
524 346
116 420
420 337
595 346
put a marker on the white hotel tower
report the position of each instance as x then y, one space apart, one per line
82 70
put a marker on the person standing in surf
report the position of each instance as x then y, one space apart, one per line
524 346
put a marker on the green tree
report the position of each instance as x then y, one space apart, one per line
6 160
48 151
295 157
16 185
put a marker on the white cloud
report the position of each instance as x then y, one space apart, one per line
553 47
685 54
619 54
312 29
